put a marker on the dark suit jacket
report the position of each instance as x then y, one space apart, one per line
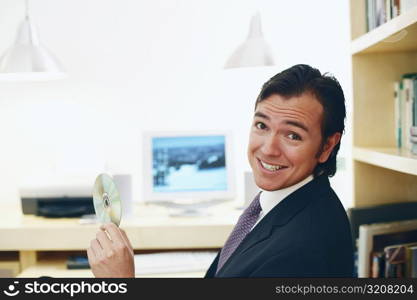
307 234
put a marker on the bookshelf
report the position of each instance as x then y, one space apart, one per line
382 173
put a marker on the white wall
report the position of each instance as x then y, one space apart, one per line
150 65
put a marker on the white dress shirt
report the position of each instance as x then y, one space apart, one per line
268 199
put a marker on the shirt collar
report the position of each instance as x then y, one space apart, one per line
269 199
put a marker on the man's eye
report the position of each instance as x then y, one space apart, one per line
260 125
294 136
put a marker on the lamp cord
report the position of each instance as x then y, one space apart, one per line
27 8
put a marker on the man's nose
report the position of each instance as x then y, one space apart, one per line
272 146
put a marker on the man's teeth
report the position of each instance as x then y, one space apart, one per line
271 167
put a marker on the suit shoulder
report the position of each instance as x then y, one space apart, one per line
327 204
325 217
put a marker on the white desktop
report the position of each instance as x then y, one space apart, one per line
188 170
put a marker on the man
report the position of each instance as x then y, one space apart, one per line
296 226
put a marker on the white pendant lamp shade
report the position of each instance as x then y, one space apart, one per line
255 51
27 59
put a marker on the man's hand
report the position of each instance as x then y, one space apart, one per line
111 254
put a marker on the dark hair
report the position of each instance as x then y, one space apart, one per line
300 79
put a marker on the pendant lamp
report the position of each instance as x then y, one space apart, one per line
255 51
28 59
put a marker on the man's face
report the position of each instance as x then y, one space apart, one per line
285 138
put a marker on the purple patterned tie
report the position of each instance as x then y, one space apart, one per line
241 229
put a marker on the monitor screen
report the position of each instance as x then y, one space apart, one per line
187 165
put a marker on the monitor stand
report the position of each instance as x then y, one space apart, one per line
192 208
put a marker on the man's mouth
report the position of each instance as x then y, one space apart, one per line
270 167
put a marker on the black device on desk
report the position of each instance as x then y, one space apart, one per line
57 201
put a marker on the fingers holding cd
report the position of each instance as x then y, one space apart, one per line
127 241
114 233
104 241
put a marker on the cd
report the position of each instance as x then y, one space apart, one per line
106 200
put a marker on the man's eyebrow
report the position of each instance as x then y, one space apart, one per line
262 115
287 122
297 124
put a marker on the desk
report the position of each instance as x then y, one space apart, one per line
151 228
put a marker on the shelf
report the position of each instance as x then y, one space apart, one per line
386 38
389 158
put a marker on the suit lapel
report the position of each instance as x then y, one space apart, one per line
211 272
281 214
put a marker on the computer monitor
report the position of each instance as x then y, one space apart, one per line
188 170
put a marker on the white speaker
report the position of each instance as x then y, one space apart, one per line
124 185
251 189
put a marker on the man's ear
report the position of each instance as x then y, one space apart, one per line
328 147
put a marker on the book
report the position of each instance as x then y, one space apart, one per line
406 5
370 13
414 99
375 237
413 129
405 111
395 6
397 115
378 264
388 10
392 212
413 264
380 11
398 260
407 95
414 149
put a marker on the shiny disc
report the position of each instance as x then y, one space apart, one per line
106 200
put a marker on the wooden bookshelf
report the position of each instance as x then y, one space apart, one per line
382 173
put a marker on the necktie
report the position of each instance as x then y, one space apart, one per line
241 229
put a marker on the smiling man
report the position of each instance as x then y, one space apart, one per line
296 226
